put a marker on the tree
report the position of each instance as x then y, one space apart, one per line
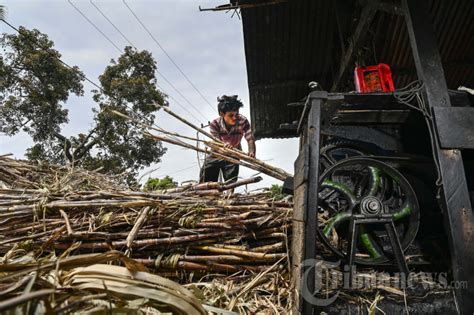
159 184
36 85
33 85
2 12
276 192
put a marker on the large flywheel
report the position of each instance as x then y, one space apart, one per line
370 193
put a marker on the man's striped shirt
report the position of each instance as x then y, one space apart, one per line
234 135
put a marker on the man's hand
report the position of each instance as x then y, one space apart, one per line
227 146
252 148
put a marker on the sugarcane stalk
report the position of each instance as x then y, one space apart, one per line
66 219
204 132
138 224
241 155
225 155
236 252
219 144
147 242
106 217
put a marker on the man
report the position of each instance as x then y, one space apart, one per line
230 127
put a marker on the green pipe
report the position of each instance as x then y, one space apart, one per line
375 175
406 210
368 243
342 188
335 220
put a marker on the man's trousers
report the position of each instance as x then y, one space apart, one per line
212 166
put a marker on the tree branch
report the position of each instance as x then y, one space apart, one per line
67 146
80 148
78 154
83 148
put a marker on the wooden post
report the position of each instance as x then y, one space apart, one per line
306 181
454 197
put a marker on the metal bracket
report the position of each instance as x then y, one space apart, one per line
454 125
358 219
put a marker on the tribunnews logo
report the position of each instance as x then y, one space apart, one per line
330 277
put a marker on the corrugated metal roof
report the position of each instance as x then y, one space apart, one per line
289 44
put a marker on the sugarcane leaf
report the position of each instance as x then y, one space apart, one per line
142 276
144 280
106 217
21 299
28 288
176 303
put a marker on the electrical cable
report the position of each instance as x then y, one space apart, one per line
111 23
116 46
80 73
57 58
166 53
185 98
157 71
95 26
407 94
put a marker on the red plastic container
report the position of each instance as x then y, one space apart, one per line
374 79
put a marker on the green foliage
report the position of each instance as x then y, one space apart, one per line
159 184
128 86
276 192
34 86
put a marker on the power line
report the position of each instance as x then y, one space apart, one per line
77 71
184 97
90 81
120 50
157 71
57 58
95 26
166 53
176 101
111 23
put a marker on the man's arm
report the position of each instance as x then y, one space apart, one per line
250 139
214 129
252 148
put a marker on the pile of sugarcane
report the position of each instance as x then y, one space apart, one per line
166 231
50 213
194 227
22 174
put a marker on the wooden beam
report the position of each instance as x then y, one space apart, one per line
454 195
306 183
366 17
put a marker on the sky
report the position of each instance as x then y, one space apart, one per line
207 46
